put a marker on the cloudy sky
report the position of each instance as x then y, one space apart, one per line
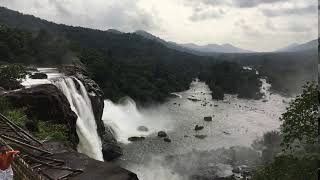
260 25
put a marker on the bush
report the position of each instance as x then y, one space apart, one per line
289 167
217 93
11 75
17 116
52 131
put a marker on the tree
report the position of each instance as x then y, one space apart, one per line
300 121
11 75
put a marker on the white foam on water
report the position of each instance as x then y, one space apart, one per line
125 119
89 140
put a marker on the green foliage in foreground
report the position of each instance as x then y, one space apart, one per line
15 115
300 121
40 129
289 167
300 157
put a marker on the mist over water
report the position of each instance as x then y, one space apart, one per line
236 124
125 119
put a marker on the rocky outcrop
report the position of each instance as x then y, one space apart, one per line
92 169
38 76
46 103
110 148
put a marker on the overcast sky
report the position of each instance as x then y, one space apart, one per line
260 25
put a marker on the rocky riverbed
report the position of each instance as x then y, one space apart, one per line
200 147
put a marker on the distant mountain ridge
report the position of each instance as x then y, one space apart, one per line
194 48
295 47
224 48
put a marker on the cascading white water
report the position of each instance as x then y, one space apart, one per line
89 140
125 118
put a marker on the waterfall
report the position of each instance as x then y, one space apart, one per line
89 140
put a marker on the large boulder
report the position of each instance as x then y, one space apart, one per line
46 103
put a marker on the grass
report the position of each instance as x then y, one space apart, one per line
52 131
17 116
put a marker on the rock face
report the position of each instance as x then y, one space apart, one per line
142 128
110 148
198 128
47 103
92 169
38 76
162 134
135 138
207 118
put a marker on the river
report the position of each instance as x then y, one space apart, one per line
235 122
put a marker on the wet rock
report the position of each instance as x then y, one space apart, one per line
39 76
162 134
264 100
198 128
2 90
110 147
193 99
207 118
142 128
236 170
216 105
135 138
92 169
200 136
167 140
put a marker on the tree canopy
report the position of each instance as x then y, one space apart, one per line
300 121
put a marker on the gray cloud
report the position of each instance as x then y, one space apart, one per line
311 9
59 7
234 3
124 15
205 14
299 28
253 3
246 29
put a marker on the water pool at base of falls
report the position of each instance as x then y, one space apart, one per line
235 122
